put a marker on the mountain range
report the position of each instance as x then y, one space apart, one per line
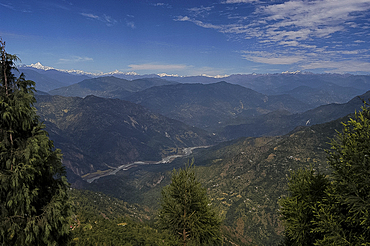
244 178
329 85
212 105
100 134
255 135
109 87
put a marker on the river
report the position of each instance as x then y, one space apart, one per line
167 159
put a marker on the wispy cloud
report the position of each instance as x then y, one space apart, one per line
292 32
200 11
108 20
92 16
166 5
306 19
131 24
346 66
239 1
7 6
271 58
20 8
74 59
292 20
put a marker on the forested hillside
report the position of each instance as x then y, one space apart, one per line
101 219
100 134
245 179
185 123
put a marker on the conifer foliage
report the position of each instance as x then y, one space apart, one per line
336 207
306 189
186 212
34 204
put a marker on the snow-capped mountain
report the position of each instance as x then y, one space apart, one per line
116 73
39 66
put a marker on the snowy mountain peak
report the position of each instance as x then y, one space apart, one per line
38 65
118 73
168 75
288 72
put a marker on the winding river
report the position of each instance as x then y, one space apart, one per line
167 159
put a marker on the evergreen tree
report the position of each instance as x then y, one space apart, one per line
34 204
186 211
339 213
306 188
343 218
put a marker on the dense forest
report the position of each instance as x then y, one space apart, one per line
307 187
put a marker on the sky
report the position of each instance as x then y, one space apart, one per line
190 37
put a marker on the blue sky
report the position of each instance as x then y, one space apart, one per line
190 37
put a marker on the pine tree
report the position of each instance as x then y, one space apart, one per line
344 217
34 204
186 211
306 188
339 214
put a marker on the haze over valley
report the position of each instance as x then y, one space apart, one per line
249 90
123 136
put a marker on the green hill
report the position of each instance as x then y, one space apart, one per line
108 86
245 179
281 122
97 134
211 106
103 220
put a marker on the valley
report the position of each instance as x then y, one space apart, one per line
90 177
123 137
192 123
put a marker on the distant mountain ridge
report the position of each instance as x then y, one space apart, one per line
109 87
47 80
210 106
279 123
229 109
264 83
99 133
244 178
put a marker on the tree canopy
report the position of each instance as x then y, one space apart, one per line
333 209
34 204
186 210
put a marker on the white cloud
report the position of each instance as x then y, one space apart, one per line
166 5
272 58
321 17
349 52
182 18
92 16
289 43
131 24
346 66
240 1
297 20
297 32
108 20
200 11
7 6
75 59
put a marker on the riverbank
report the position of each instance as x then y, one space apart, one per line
168 159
